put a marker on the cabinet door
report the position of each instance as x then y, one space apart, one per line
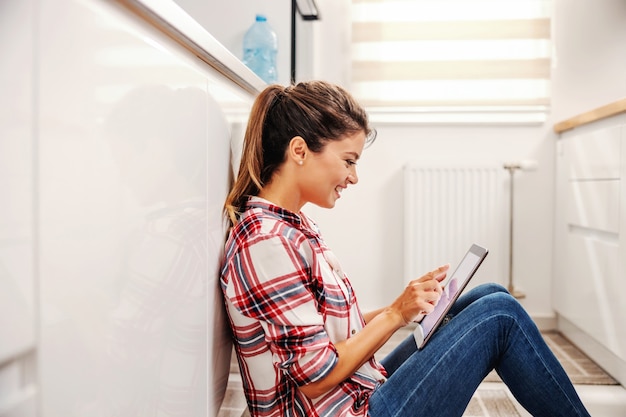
593 205
17 242
591 290
18 309
134 156
589 282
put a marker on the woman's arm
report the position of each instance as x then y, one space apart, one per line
369 316
418 298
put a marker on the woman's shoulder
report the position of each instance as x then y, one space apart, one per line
257 225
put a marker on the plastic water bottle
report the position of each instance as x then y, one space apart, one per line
260 46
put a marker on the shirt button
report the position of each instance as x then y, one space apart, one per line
353 331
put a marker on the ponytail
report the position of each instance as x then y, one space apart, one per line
248 181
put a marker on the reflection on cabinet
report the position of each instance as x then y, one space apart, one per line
115 160
590 240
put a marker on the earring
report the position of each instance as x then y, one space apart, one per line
300 162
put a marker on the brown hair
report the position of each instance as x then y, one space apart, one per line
317 111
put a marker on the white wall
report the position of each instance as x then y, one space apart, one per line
589 68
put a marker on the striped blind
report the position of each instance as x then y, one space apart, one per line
451 53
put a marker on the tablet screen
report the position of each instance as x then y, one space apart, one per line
452 288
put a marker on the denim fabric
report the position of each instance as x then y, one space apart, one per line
488 330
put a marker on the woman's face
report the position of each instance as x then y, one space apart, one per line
330 171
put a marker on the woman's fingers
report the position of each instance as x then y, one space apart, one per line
438 275
422 295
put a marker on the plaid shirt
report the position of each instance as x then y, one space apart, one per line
288 302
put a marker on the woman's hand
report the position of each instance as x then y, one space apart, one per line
421 296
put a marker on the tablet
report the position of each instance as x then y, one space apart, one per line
453 286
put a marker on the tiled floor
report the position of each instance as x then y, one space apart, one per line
601 400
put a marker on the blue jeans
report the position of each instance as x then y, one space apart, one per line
489 330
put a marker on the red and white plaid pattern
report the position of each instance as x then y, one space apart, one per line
288 302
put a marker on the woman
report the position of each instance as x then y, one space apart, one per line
304 347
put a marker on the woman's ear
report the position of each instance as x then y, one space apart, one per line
297 150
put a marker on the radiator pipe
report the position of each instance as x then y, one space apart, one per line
526 165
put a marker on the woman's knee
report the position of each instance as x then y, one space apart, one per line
486 289
503 303
492 287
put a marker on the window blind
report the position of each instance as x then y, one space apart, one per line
463 54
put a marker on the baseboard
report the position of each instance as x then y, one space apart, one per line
606 359
545 322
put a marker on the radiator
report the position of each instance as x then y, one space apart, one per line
448 206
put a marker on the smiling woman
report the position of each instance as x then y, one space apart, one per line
303 344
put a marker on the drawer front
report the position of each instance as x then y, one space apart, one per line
594 155
592 295
594 204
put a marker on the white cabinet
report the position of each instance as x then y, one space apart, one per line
115 160
590 238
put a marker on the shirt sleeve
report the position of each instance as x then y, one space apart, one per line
272 281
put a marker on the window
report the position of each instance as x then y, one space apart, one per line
452 56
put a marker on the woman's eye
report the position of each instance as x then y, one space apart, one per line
350 162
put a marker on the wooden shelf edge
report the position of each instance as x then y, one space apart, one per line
599 113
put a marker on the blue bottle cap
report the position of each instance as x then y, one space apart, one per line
260 18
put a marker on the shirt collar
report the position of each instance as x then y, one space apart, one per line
265 205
